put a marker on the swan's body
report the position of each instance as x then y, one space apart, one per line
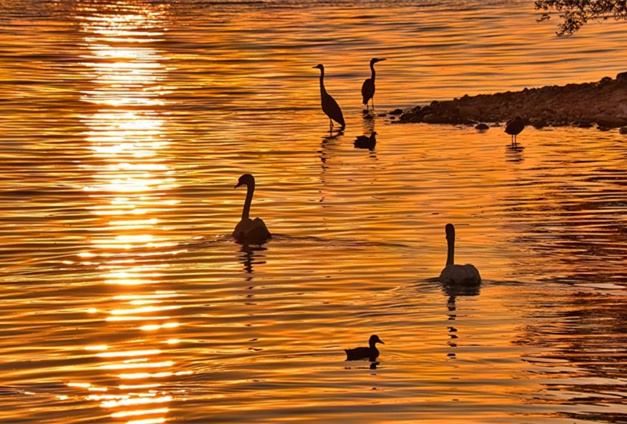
364 142
328 103
515 127
370 352
457 274
250 231
368 87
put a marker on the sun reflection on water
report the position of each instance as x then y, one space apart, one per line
132 187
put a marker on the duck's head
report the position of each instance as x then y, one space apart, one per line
246 179
319 66
450 232
374 339
375 60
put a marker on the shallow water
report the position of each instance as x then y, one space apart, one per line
124 128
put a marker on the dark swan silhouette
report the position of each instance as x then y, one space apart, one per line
457 274
367 89
370 353
365 142
515 127
329 105
250 231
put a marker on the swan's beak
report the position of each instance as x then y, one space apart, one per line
381 341
238 184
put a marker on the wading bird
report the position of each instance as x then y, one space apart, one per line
514 127
250 231
329 105
457 274
367 89
370 353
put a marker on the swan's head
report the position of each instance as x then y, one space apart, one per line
450 232
319 66
374 339
247 180
375 60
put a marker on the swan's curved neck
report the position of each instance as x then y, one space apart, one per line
373 72
450 257
249 200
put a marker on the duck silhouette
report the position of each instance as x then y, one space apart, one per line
249 231
457 274
365 142
371 353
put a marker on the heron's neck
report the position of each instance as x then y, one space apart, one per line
248 202
373 72
450 257
322 90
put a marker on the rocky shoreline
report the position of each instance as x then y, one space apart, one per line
602 103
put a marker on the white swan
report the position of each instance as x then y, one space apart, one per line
247 230
457 274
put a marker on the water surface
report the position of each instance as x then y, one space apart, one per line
124 128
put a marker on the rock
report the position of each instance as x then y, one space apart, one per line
623 130
603 103
396 112
482 127
609 121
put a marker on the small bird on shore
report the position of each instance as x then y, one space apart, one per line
457 274
368 87
370 352
365 142
328 103
514 127
249 231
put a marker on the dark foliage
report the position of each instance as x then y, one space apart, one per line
576 13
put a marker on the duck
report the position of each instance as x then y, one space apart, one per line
249 231
365 142
457 274
328 103
371 353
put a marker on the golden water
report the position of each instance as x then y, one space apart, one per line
124 127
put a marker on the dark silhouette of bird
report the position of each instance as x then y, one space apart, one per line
365 142
370 353
367 89
457 274
249 231
514 127
329 105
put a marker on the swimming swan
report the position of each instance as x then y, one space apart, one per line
457 274
250 231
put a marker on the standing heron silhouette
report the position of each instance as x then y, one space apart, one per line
329 105
367 89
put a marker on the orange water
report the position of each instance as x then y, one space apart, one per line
124 127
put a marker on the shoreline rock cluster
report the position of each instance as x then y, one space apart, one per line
603 103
